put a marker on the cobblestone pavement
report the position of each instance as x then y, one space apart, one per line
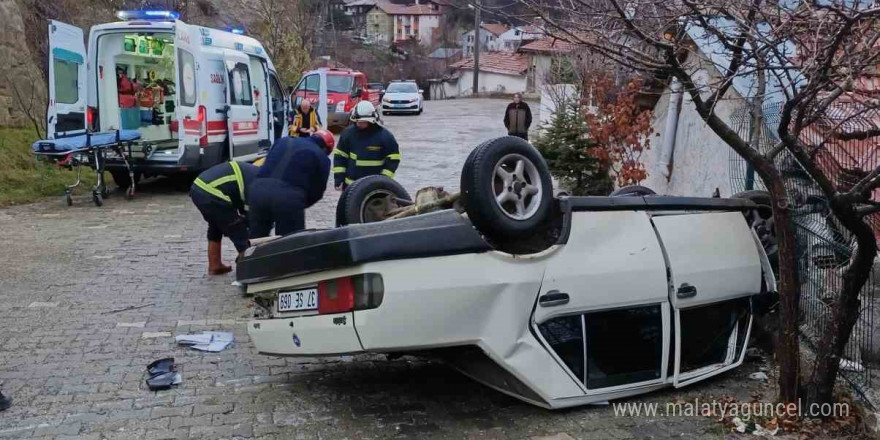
91 295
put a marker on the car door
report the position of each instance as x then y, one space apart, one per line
715 267
241 114
278 107
192 119
603 307
66 112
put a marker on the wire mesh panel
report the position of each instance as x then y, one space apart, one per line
824 248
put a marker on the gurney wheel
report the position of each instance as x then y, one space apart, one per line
96 197
69 200
129 193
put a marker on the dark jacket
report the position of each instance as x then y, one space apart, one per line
518 118
300 163
220 181
362 153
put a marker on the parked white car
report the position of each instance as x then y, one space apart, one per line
402 97
558 302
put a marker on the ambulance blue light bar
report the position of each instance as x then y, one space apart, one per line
238 31
147 15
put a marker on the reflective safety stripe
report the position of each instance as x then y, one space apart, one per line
338 169
388 173
217 182
370 163
353 155
347 180
238 178
340 153
394 156
211 190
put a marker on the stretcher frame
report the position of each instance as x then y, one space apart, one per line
95 157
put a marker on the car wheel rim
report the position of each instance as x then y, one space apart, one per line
376 206
517 187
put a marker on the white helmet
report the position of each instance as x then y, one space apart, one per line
364 112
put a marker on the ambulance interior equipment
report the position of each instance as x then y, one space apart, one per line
136 85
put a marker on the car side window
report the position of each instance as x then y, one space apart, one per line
275 93
566 337
66 81
312 83
187 86
713 334
624 346
240 81
609 348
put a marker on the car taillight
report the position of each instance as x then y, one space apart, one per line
359 292
91 117
203 126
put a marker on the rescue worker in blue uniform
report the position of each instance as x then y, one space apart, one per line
219 193
365 149
293 177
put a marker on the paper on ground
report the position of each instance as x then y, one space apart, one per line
206 341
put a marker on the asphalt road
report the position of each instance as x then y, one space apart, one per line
91 295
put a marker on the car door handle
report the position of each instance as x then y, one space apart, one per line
686 291
553 298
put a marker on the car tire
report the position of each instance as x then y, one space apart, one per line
633 191
762 222
359 200
526 188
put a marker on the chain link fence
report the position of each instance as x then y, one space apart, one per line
824 248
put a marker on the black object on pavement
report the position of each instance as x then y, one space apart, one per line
162 374
5 402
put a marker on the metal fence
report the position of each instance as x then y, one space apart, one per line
824 248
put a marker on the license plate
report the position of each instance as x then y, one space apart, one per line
295 300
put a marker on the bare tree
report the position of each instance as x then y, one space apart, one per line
30 100
812 57
286 29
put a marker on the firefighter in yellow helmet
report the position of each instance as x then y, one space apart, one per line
365 148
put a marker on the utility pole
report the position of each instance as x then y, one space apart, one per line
476 46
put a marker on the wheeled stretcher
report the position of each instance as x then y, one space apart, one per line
89 149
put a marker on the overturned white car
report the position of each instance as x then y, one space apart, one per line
556 301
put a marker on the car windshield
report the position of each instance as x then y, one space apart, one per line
339 83
402 88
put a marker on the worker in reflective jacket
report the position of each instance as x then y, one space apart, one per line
219 194
292 179
364 149
306 121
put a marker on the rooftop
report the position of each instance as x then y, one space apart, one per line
548 45
495 28
497 62
426 8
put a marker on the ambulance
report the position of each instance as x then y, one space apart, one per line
197 96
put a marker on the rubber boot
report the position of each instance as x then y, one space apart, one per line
215 259
5 402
